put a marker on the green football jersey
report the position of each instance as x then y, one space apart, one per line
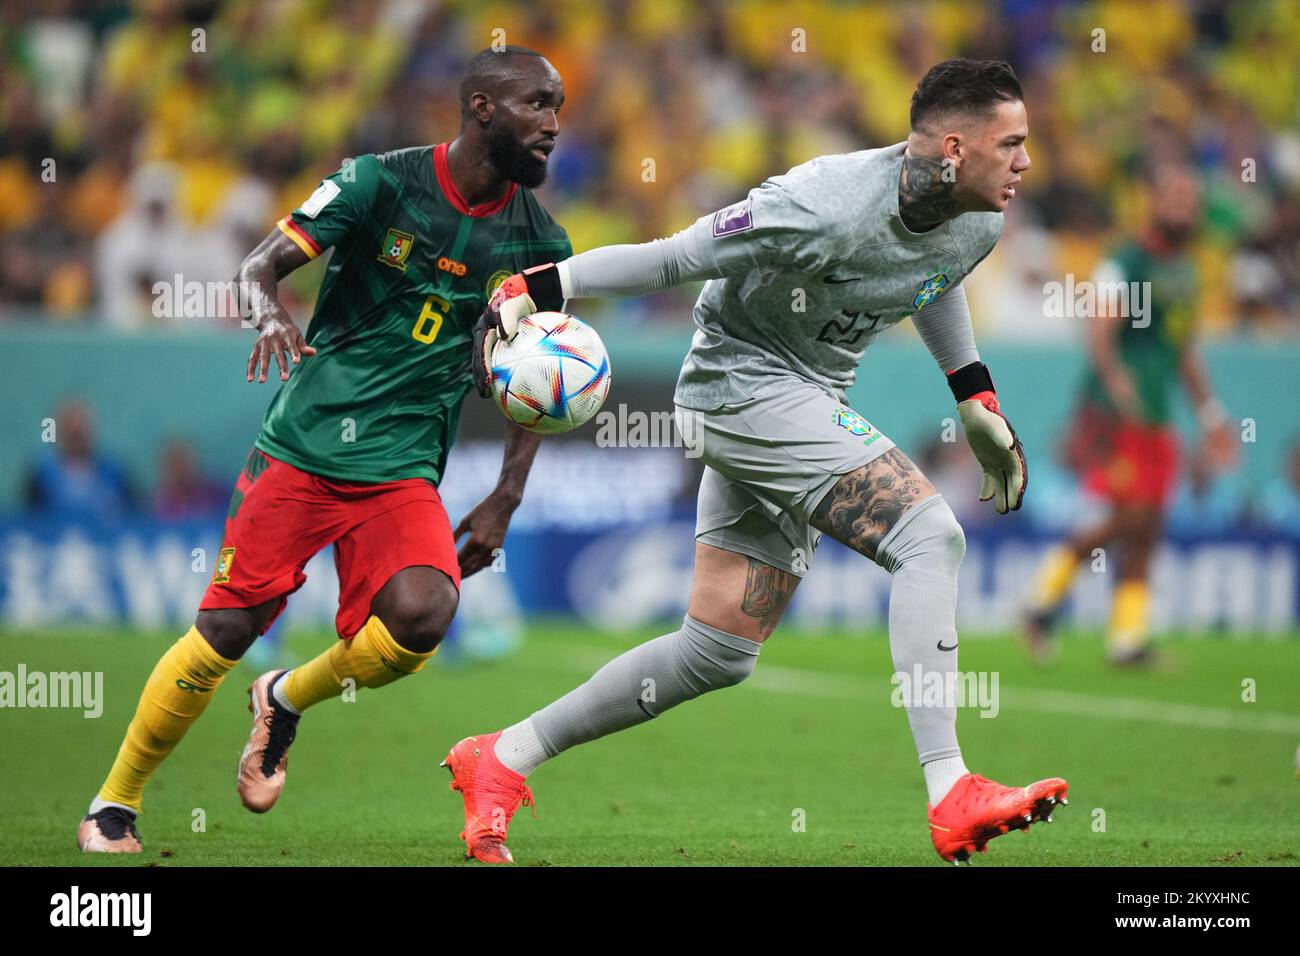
412 269
1151 353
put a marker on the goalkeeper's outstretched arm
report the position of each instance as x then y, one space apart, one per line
773 225
640 269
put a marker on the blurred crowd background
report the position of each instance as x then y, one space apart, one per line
174 152
145 139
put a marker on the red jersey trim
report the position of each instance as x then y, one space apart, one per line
453 195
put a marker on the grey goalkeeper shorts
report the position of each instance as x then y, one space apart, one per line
769 460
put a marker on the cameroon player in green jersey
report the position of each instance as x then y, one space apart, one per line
355 441
1124 443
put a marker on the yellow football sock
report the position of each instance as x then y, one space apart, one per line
1128 617
177 691
371 659
1054 577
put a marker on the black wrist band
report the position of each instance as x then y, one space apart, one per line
970 380
545 288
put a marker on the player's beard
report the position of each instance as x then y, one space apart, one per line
513 160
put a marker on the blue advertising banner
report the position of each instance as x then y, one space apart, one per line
146 574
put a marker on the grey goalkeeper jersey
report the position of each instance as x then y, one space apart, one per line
803 275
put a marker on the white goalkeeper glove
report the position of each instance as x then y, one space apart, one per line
991 437
533 290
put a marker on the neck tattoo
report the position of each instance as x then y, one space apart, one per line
925 199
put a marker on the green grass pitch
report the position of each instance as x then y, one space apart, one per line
1167 768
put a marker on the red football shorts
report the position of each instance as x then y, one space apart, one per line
280 516
1141 466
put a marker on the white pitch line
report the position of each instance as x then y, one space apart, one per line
791 680
1134 708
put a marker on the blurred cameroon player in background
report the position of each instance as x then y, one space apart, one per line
1124 444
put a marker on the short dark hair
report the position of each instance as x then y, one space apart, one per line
486 68
964 86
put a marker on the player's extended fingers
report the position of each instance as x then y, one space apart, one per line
252 361
1023 484
467 549
265 362
483 552
472 557
281 359
461 529
300 345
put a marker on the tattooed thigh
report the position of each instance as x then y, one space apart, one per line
767 594
739 594
865 504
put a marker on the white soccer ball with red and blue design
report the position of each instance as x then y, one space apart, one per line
553 375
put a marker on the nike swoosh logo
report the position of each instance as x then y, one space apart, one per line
942 648
831 280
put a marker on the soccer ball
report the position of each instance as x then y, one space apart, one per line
553 375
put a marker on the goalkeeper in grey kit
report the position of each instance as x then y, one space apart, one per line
802 276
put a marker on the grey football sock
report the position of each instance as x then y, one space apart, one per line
923 551
644 682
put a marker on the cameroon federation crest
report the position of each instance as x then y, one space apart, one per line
495 279
225 561
397 248
929 290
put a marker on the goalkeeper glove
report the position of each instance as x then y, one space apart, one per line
991 437
533 290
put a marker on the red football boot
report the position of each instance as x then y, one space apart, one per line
492 793
977 809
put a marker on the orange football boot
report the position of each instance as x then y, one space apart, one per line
492 793
977 809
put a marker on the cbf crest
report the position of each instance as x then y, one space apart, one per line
855 424
929 290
